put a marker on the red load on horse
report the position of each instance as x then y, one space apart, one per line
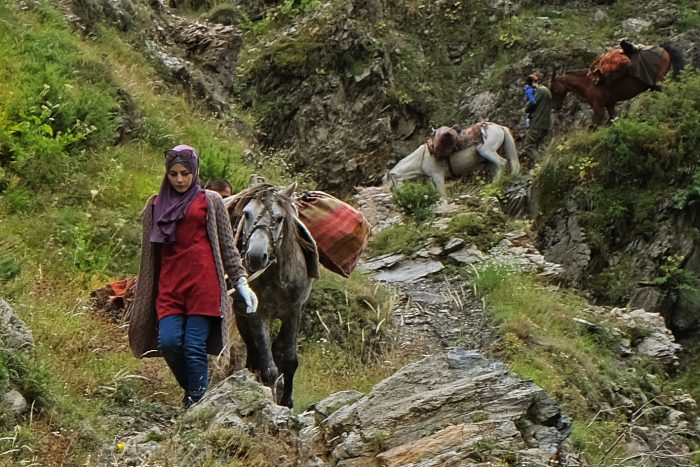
340 231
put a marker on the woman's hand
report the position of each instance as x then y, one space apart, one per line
248 296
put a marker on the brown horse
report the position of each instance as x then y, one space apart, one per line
604 96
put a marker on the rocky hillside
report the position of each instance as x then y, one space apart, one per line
341 89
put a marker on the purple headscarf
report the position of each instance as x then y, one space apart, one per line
171 206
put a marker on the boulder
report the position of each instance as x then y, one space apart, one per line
444 410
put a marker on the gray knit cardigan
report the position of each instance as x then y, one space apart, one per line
143 321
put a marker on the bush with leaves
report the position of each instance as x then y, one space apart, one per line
56 103
416 198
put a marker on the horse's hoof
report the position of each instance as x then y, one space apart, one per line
270 376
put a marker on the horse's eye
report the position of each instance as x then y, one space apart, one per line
246 215
278 220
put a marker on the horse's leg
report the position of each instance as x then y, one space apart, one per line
492 156
284 350
598 115
256 336
611 111
439 181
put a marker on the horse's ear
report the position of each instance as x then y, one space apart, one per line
290 189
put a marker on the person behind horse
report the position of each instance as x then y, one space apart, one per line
540 112
181 307
221 186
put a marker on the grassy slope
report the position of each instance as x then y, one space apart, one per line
72 230
69 231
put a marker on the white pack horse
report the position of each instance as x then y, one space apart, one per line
420 163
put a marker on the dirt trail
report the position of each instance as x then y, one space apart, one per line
436 311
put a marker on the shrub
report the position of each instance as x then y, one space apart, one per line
20 200
416 198
9 269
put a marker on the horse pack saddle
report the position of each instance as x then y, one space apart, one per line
640 61
448 140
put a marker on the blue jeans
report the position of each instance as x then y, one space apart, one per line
182 340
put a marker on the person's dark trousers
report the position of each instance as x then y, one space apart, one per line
182 342
533 142
535 136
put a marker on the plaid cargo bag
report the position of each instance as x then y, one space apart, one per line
341 231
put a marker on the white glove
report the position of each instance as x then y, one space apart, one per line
247 295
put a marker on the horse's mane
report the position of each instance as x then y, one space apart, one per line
290 234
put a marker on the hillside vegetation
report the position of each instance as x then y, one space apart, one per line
85 119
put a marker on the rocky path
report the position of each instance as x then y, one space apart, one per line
439 310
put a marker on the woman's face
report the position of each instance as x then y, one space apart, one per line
180 177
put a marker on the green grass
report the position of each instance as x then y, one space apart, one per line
400 238
326 368
579 368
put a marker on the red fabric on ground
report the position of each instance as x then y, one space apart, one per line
119 288
188 282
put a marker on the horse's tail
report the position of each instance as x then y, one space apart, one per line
511 151
677 60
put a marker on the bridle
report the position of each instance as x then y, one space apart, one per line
267 203
256 224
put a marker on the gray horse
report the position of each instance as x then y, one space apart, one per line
420 163
281 257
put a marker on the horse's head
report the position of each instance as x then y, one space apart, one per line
558 88
390 180
268 220
408 168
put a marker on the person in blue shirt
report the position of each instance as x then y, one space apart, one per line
529 90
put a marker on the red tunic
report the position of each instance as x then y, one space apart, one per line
188 282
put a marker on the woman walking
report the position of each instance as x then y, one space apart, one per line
181 309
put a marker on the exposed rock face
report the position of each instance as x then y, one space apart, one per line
442 408
458 407
14 337
14 334
120 13
201 56
657 341
563 241
338 124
